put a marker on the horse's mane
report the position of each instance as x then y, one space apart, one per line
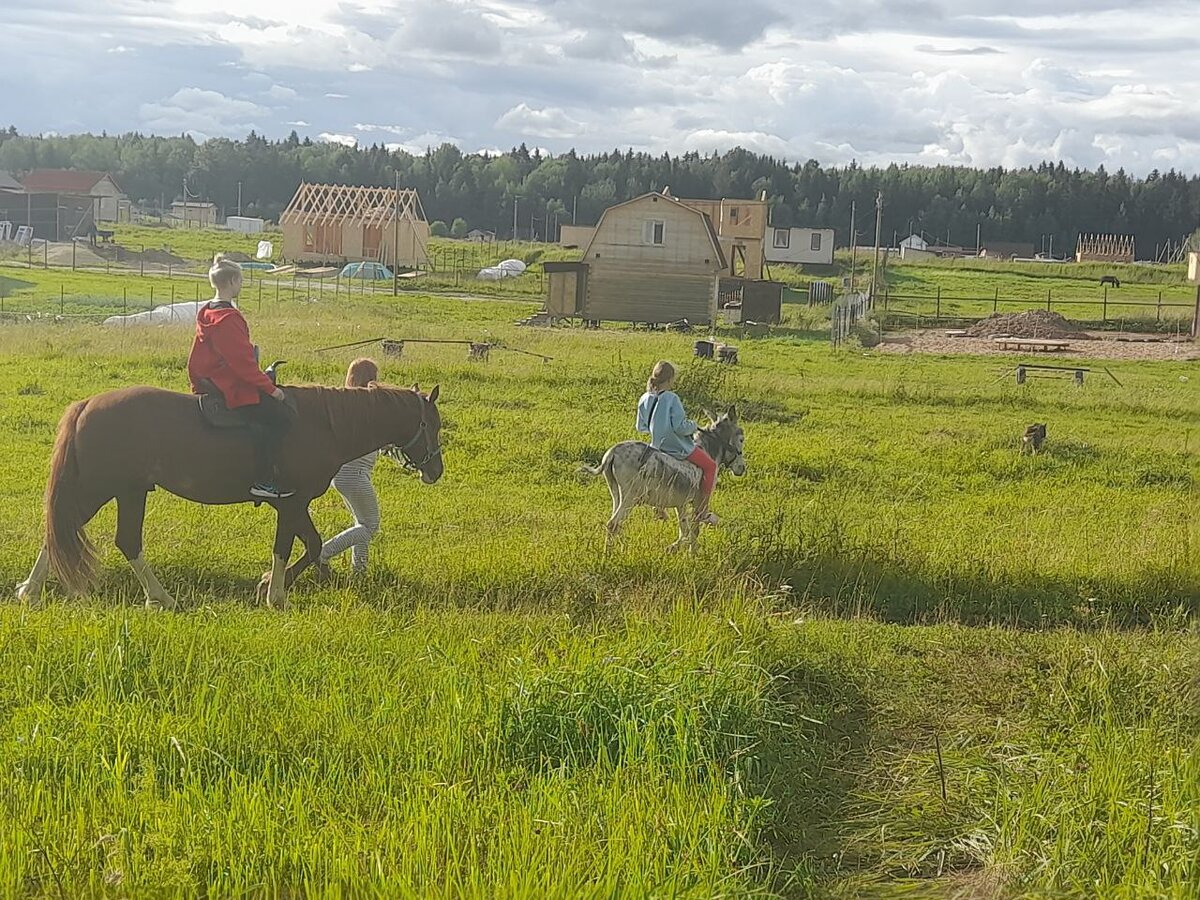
348 410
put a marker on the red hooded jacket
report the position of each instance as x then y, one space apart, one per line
222 353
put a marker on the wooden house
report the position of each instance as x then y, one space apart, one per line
741 227
652 259
801 245
336 223
109 202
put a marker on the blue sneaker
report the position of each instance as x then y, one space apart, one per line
269 492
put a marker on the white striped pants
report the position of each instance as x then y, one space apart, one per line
353 482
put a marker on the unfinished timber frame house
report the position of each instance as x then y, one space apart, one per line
337 223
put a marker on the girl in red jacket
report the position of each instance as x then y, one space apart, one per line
223 358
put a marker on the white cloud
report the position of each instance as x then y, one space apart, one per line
298 123
201 111
280 92
549 122
346 140
980 82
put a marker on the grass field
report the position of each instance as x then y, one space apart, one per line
912 294
503 710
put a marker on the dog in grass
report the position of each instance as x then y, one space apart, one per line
1033 438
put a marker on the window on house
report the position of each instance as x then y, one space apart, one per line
815 244
734 212
783 238
653 232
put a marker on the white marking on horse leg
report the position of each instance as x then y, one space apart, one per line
31 588
277 590
156 595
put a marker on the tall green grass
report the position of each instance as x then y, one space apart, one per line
896 600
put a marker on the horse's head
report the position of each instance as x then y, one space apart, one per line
728 440
422 451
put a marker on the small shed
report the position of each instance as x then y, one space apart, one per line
801 245
245 224
337 223
755 299
479 236
200 213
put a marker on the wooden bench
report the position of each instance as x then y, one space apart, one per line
1036 345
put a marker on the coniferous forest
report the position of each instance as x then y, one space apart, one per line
944 203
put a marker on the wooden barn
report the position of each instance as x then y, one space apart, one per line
1109 248
337 223
109 202
653 259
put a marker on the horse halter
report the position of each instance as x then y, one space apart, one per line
728 453
402 455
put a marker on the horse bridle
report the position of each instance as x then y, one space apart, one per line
402 455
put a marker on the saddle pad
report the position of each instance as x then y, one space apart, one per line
217 415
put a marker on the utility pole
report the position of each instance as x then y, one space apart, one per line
978 232
878 224
574 209
239 198
853 245
395 242
515 202
185 201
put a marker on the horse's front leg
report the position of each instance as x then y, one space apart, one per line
273 587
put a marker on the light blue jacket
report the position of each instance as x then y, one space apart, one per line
661 416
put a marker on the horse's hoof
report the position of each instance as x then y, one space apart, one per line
26 595
165 603
323 573
263 588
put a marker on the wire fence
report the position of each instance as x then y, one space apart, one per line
845 314
1121 305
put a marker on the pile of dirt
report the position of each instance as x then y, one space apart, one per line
118 254
1033 323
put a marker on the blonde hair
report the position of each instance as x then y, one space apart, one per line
224 272
362 372
662 375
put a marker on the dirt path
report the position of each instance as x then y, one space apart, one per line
1083 346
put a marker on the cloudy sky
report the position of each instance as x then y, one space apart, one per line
978 82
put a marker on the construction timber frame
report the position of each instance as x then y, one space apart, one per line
1110 248
338 223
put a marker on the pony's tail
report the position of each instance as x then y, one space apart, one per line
72 557
603 469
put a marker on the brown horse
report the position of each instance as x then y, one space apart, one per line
125 443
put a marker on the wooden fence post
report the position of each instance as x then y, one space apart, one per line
1047 299
1158 315
938 313
1104 306
1196 316
996 302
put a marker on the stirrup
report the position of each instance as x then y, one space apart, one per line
269 492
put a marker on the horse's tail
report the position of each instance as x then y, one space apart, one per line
72 557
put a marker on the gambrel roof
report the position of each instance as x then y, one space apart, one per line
331 204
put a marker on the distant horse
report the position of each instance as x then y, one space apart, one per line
1033 438
1110 279
638 475
123 444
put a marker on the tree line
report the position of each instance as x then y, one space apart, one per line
534 193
